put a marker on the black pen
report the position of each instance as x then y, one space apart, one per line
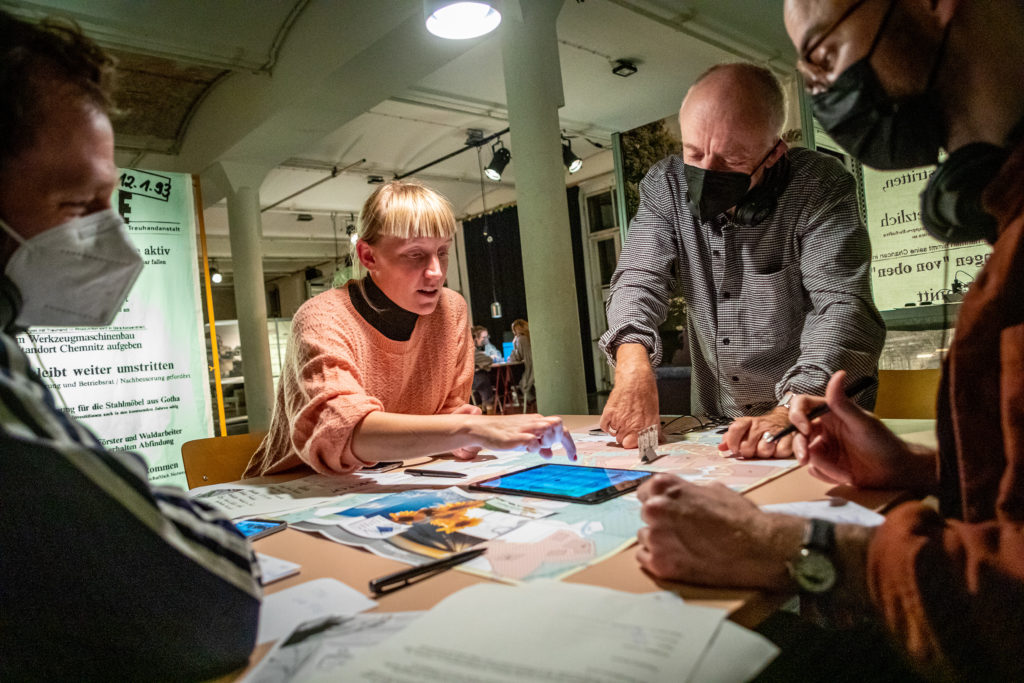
392 582
851 391
434 473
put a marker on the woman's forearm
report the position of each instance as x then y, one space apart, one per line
394 436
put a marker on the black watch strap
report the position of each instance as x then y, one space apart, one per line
820 535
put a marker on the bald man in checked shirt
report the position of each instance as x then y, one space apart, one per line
768 249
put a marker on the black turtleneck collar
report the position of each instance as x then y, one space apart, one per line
387 317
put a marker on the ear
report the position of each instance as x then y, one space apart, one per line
366 256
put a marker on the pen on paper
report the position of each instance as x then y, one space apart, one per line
434 473
401 579
851 391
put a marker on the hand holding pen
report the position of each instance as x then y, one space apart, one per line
845 444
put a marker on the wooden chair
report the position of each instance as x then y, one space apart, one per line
907 394
219 458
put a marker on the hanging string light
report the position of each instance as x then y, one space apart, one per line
495 304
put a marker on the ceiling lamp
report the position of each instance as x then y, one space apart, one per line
460 20
499 161
569 158
215 276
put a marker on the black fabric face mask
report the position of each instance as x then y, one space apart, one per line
709 193
878 131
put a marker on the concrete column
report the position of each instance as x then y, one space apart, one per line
242 184
533 87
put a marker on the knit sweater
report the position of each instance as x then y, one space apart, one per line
950 586
338 369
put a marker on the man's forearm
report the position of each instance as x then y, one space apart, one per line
631 360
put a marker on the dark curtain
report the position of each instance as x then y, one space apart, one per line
507 280
579 270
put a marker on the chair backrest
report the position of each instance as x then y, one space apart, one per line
907 394
219 458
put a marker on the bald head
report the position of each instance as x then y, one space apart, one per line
744 93
732 118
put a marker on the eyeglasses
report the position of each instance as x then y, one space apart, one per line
685 424
814 74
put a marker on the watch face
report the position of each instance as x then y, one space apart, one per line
814 572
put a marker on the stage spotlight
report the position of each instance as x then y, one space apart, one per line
499 161
569 158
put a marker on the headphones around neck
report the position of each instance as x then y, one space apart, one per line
760 201
951 208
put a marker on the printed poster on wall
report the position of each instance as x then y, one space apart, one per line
141 384
908 266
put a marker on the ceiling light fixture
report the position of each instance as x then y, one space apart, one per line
460 20
624 68
499 160
215 276
572 162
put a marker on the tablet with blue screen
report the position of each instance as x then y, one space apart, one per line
574 483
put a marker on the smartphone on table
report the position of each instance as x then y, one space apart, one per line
253 529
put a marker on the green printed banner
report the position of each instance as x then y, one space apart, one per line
908 266
141 384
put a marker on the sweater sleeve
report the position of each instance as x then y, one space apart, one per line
953 592
462 378
326 397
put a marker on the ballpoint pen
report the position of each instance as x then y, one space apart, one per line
434 473
851 391
393 582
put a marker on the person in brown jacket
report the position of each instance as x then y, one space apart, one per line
893 81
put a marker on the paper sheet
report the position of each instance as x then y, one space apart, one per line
283 611
274 568
546 631
845 512
260 498
321 645
734 654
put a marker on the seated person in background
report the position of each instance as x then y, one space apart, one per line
522 352
103 577
381 368
767 246
482 340
948 584
482 362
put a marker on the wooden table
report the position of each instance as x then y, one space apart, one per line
321 558
502 381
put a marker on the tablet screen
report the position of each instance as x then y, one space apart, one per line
566 482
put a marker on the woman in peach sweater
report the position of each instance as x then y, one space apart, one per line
381 368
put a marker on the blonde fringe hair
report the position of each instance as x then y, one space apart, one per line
401 209
406 210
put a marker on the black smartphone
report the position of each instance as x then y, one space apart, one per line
258 528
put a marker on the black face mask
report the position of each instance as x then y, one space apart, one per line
709 192
874 128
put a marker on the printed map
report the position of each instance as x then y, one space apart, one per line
417 519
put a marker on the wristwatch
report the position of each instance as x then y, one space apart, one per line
812 568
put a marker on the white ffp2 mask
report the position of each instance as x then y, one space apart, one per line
76 274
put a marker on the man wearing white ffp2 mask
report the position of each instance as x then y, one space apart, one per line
104 577
75 274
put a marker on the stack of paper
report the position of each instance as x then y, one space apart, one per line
566 632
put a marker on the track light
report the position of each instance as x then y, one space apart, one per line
215 276
569 158
353 236
460 20
499 161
